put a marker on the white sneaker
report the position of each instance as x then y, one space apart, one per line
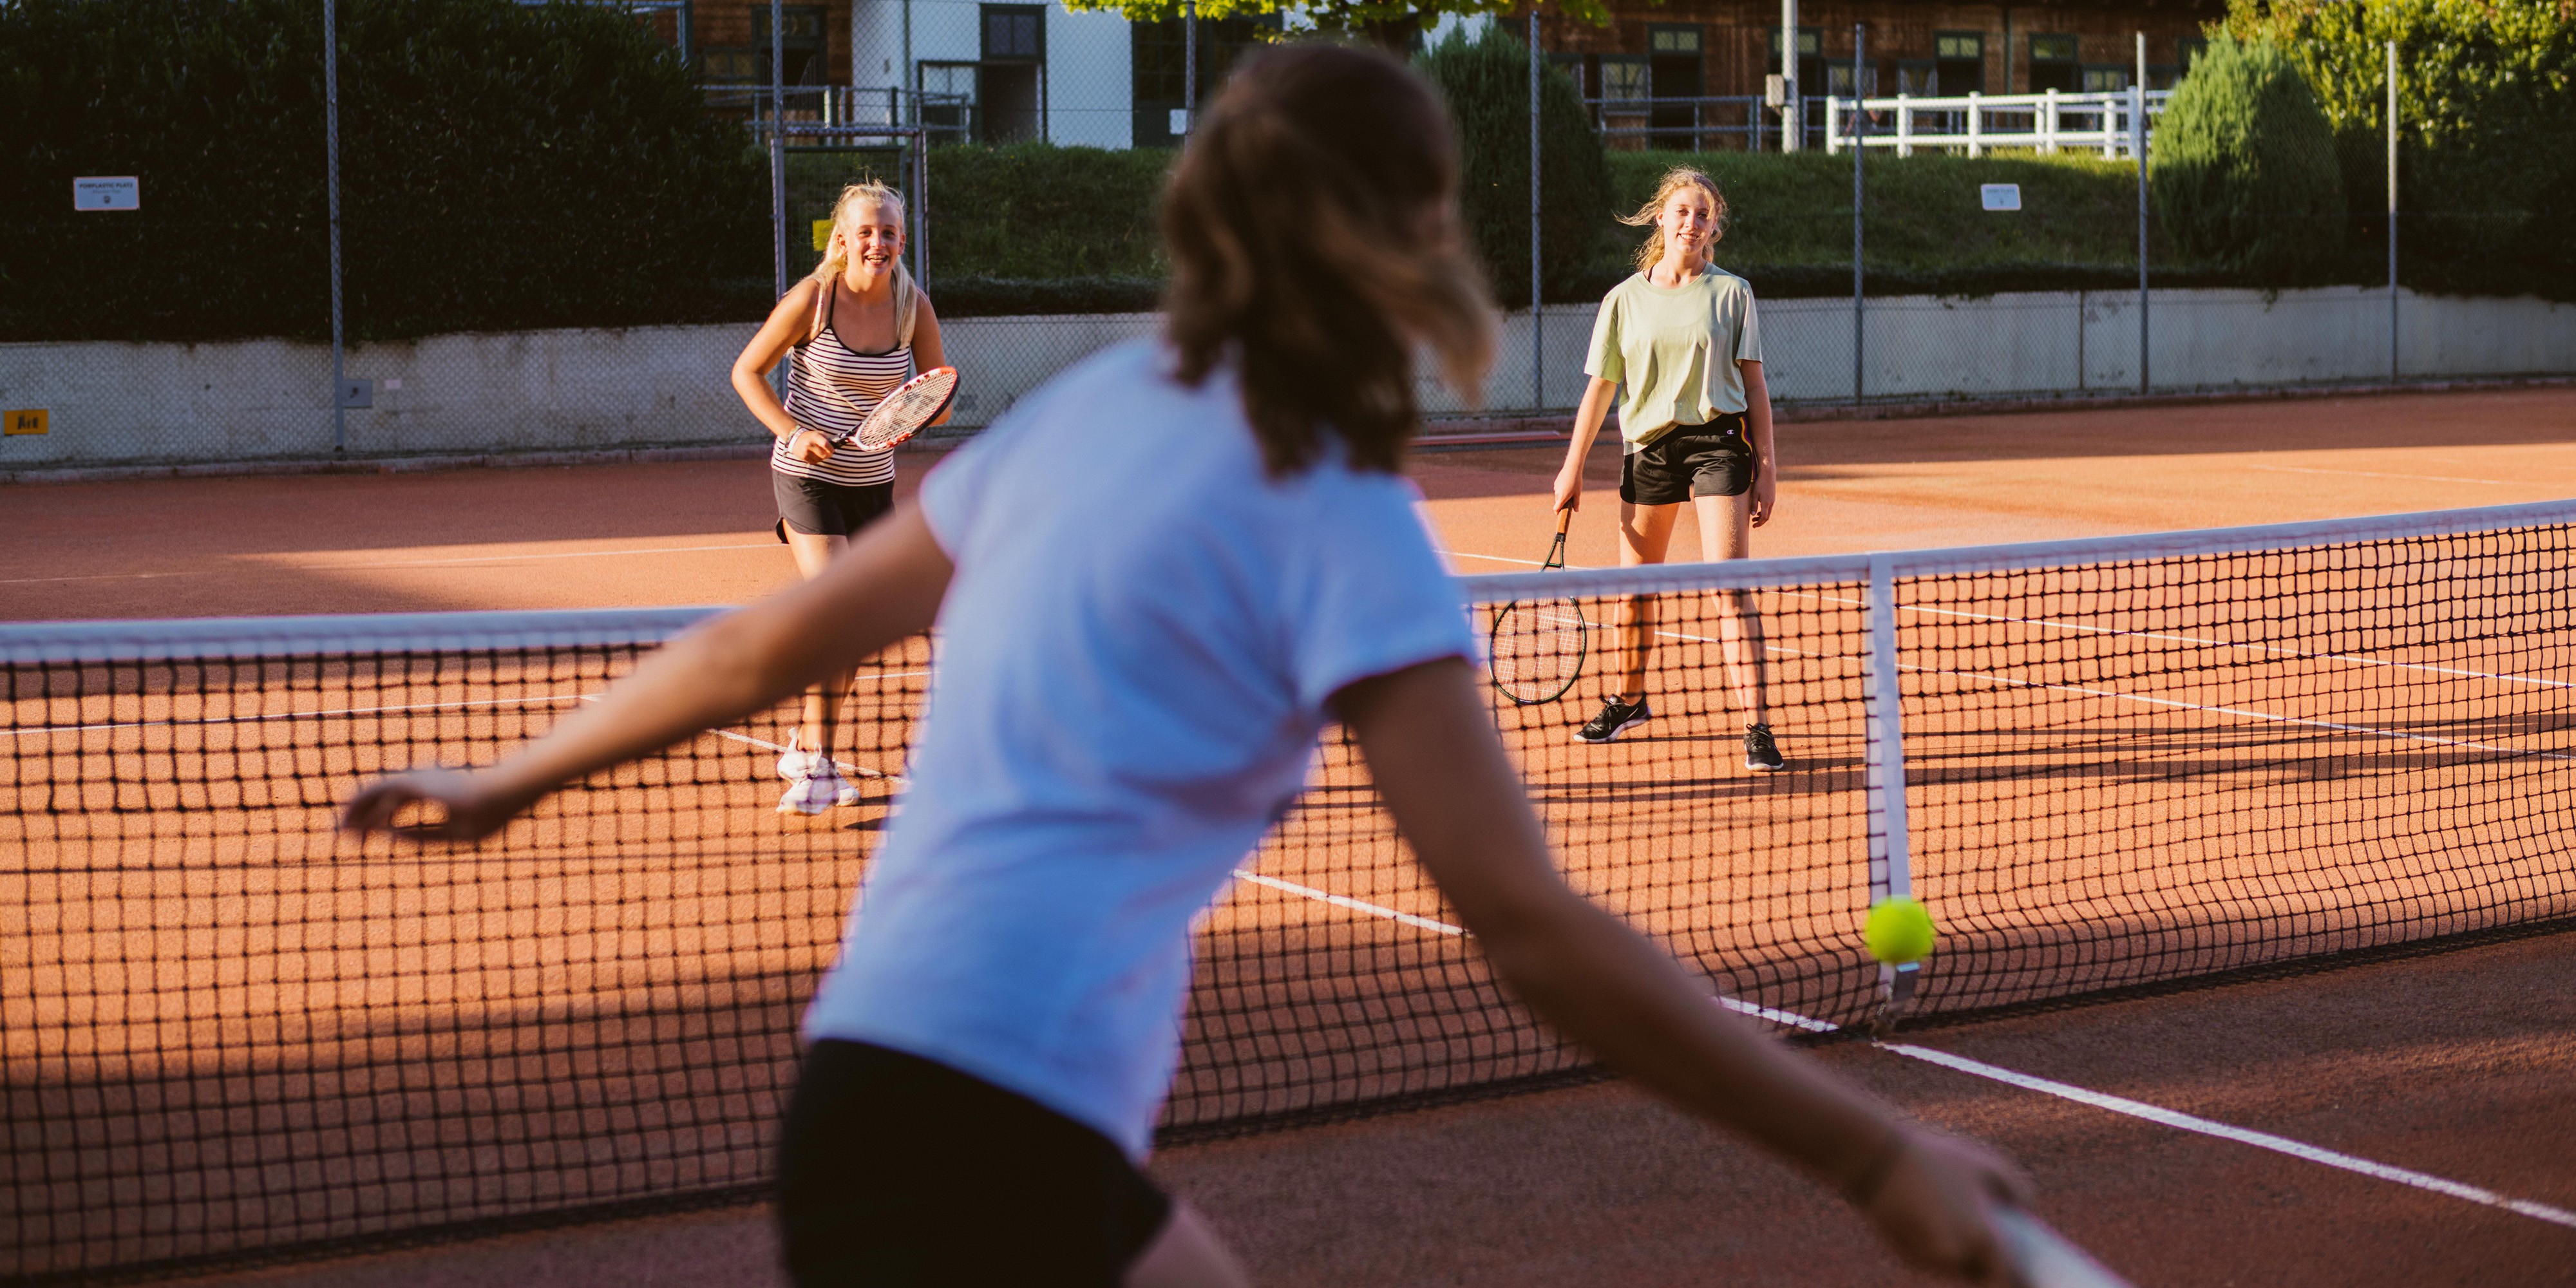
818 790
795 761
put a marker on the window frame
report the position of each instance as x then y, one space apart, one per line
984 16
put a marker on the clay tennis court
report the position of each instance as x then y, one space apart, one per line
2442 1064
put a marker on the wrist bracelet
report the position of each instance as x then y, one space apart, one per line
1864 1187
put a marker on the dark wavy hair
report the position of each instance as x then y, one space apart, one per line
1313 230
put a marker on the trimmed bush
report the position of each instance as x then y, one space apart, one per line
1036 210
502 167
2486 130
2243 167
1486 83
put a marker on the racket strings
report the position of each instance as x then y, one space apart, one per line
907 409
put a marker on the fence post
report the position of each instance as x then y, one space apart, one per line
331 145
778 146
1904 123
1976 117
1538 342
2048 125
2138 151
2392 210
1860 148
1189 66
1891 860
1833 125
1791 137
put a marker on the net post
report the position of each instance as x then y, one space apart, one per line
1891 866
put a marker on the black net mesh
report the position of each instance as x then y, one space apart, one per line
227 1032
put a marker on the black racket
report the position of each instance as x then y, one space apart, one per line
1538 644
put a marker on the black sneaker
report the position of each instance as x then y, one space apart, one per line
1759 751
1616 718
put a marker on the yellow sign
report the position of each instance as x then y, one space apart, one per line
822 233
25 422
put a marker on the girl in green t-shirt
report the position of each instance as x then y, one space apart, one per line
1680 348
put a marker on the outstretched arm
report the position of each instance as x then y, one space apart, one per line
888 585
1432 750
1597 394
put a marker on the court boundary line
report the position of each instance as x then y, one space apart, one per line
2157 1114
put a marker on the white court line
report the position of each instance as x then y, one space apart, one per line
2241 1135
2374 474
1526 563
2100 1100
324 566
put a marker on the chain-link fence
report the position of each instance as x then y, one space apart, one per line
576 269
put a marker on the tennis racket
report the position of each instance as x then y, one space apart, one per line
1538 644
915 403
2043 1258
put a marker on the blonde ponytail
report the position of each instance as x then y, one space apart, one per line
836 260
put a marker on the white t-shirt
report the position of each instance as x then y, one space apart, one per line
1135 655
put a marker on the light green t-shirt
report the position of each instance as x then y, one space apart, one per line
1674 351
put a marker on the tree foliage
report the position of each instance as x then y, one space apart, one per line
2486 110
1485 80
2243 166
502 166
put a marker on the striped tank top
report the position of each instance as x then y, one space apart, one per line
832 387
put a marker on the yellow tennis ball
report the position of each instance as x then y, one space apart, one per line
1899 931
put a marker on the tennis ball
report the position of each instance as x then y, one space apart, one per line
1899 931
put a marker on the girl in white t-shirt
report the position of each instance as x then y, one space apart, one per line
1155 582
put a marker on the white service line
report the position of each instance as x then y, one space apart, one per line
1977 1068
2375 474
327 566
531 700
2243 1136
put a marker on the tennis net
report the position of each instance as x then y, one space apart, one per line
228 1033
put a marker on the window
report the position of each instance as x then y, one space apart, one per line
800 44
2053 65
1958 62
1624 79
1674 72
1916 76
948 101
1014 33
1663 39
728 66
2104 78
1838 82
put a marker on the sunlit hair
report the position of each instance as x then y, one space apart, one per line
1313 230
1674 180
847 210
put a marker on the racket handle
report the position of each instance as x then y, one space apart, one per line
1564 519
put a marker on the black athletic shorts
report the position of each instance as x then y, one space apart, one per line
1689 460
818 508
897 1170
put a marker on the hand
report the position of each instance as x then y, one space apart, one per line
1569 486
474 810
1934 1206
1764 496
810 446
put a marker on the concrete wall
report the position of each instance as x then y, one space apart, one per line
118 404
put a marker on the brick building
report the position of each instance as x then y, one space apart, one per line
1696 49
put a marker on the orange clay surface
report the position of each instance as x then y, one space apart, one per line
2454 1065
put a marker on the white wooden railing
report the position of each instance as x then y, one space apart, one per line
2050 123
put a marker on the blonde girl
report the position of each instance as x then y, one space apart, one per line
1679 348
859 328
1156 580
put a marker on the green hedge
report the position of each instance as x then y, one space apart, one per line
502 167
2244 167
1788 228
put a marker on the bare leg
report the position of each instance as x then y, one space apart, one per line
1726 532
1186 1254
814 552
1645 531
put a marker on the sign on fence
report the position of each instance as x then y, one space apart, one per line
123 192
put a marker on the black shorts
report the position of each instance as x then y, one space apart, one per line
1689 460
897 1170
817 508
